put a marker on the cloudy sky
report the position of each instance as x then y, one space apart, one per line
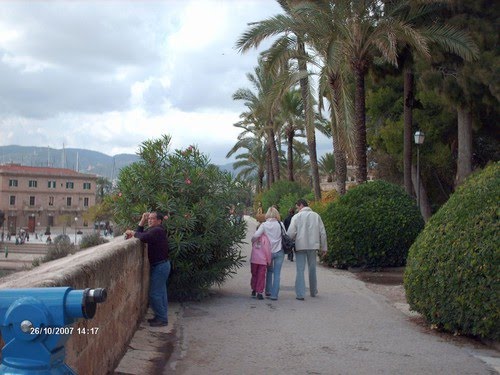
107 75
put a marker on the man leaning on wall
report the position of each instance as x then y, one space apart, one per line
156 238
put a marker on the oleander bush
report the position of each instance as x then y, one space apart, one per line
372 225
453 273
194 195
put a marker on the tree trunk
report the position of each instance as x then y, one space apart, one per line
464 162
309 123
260 182
407 130
425 208
274 152
289 140
269 168
360 127
340 165
339 153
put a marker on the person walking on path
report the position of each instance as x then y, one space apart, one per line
260 259
272 228
157 240
308 231
286 223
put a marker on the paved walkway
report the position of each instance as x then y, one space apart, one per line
347 329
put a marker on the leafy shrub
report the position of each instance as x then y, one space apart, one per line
60 248
91 240
279 190
372 225
194 195
452 275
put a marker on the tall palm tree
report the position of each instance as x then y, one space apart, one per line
291 117
289 46
262 105
363 31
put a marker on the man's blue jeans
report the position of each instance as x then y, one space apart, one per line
273 277
300 285
158 277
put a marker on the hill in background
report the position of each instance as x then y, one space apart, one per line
82 160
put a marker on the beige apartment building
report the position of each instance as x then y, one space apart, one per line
36 197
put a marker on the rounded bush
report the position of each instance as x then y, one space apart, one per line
453 272
372 225
91 240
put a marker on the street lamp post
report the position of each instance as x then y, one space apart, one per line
419 140
76 219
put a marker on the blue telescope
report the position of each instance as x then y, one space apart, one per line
36 323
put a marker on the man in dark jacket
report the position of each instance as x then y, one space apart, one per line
156 238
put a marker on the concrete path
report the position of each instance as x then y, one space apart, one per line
346 329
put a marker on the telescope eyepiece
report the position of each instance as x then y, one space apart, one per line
97 295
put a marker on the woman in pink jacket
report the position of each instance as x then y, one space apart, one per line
259 260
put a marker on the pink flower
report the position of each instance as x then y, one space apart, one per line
188 181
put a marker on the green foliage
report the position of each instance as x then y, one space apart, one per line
372 225
195 195
91 240
292 190
60 248
452 275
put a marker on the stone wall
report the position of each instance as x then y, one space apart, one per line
119 266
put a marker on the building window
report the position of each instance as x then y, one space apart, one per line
51 201
32 200
69 185
68 201
51 184
32 183
13 183
86 186
12 200
85 202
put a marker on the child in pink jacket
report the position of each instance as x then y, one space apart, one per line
259 260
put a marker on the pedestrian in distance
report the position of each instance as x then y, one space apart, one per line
156 238
286 223
272 228
308 231
260 259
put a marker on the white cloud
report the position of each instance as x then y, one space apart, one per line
108 75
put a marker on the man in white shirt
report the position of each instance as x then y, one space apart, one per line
309 233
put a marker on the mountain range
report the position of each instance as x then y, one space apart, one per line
82 160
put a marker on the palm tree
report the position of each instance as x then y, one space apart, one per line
252 163
363 31
288 47
292 124
262 109
327 165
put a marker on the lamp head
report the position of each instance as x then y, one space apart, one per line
419 137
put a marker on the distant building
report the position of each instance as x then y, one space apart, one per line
37 197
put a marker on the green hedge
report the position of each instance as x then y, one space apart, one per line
284 194
453 271
372 225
